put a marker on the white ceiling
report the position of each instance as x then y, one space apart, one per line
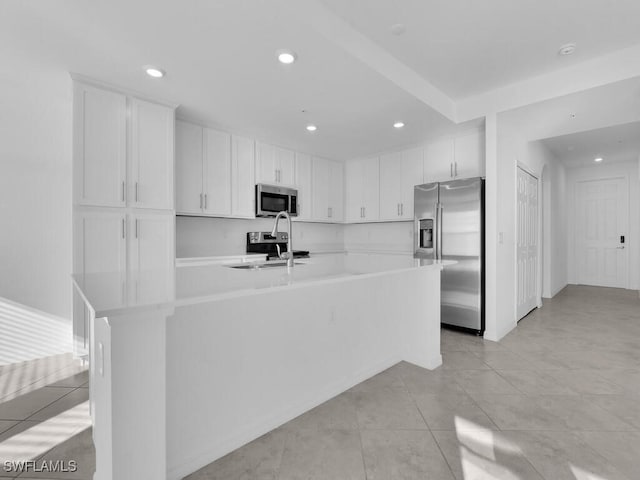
619 143
465 47
613 104
220 58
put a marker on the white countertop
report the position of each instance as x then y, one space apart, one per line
113 294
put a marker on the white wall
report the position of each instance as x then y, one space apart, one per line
35 184
552 188
202 236
389 237
623 169
512 149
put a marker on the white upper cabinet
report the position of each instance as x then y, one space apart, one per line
390 186
189 167
362 190
438 160
216 173
120 162
152 151
451 158
412 175
328 188
303 184
243 179
203 170
100 147
336 191
469 155
399 173
274 165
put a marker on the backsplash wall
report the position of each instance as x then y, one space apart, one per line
388 237
205 236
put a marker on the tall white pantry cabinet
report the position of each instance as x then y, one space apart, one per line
123 189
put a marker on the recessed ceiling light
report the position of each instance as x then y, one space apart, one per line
286 56
154 72
312 128
567 49
572 115
398 125
598 160
398 29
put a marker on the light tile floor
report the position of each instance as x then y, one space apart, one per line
558 398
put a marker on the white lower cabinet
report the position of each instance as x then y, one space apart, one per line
122 243
151 241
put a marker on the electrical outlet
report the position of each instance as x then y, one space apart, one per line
501 237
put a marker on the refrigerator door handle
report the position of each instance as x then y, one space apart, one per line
436 230
439 231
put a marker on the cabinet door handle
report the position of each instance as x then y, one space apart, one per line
101 361
123 189
200 201
456 168
401 209
451 169
330 212
137 228
124 233
136 191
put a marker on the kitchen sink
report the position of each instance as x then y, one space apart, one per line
258 266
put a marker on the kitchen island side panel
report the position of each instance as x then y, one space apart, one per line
238 368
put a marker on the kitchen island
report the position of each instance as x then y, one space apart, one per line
191 363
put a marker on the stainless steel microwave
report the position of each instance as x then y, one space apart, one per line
271 199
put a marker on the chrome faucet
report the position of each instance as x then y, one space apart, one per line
288 255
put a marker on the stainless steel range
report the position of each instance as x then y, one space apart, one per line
264 242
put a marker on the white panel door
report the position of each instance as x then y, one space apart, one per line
217 173
189 172
243 177
152 155
303 184
527 243
601 224
101 147
412 175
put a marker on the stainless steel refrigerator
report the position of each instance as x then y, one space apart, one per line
449 225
